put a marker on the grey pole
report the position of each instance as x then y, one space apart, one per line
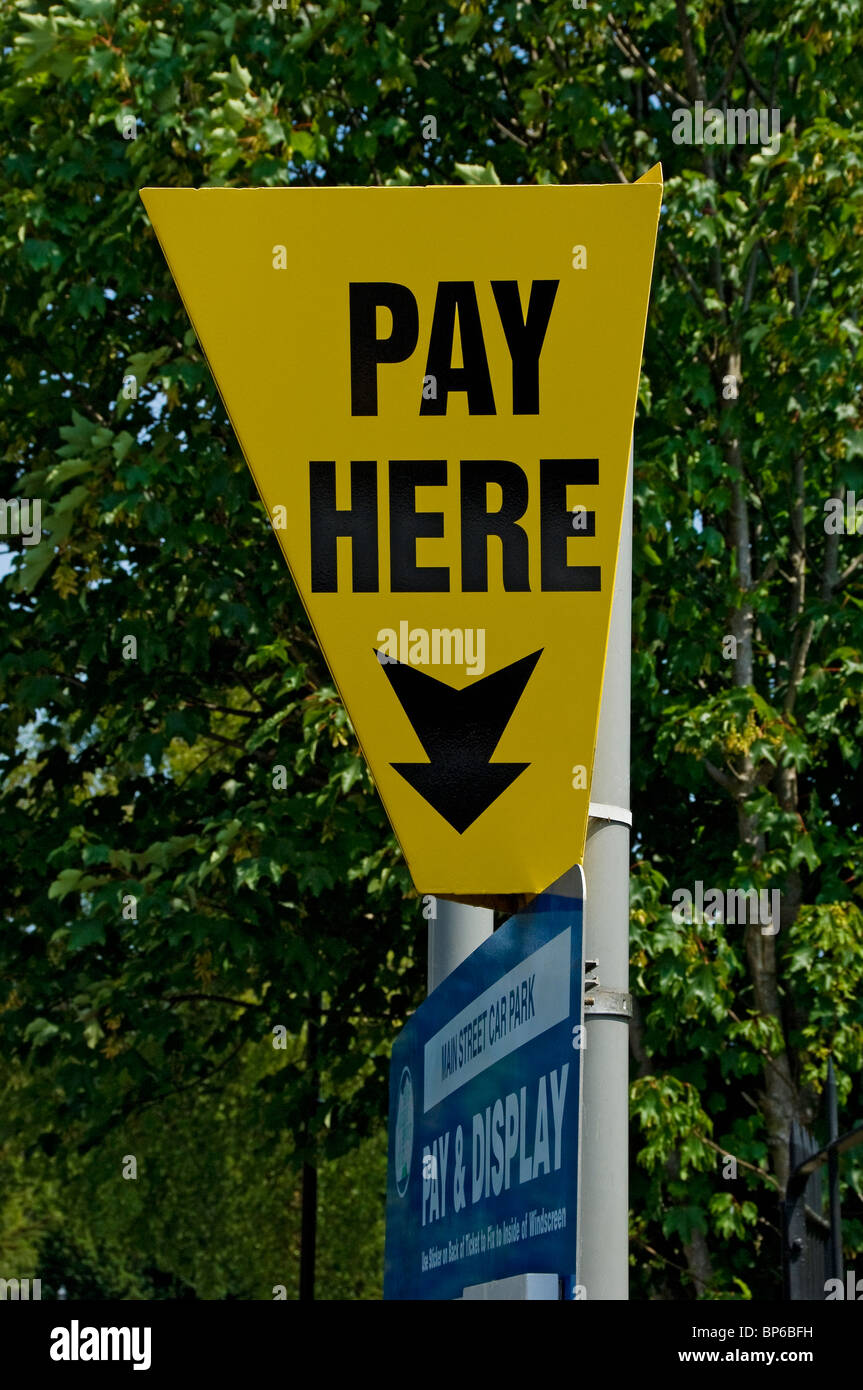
455 930
603 1268
605 1135
834 1247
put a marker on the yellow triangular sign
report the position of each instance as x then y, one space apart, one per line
435 391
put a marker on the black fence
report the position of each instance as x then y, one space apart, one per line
812 1235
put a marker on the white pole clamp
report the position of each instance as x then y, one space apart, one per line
597 811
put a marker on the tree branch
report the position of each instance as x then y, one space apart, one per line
612 162
694 78
741 1162
693 288
723 779
751 79
847 573
216 998
630 51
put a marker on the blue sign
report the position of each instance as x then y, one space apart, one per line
485 1093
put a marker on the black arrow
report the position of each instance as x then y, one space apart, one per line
459 730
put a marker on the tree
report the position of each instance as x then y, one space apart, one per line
195 1197
146 770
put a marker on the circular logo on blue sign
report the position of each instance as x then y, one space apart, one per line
404 1140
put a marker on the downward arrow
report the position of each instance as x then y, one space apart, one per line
459 730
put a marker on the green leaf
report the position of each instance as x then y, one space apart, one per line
37 558
477 173
66 882
89 933
40 1031
803 851
302 142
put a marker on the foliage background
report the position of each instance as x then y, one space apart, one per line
153 778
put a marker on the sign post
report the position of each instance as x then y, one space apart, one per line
455 930
439 425
604 1266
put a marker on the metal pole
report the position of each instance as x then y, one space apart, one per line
309 1210
835 1247
455 930
604 1219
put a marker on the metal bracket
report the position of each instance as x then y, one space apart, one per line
603 1003
597 810
608 1003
